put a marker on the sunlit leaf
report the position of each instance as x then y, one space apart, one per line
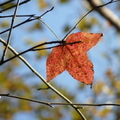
73 57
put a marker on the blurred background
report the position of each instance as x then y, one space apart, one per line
17 79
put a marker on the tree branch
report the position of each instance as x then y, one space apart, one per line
106 12
11 27
94 8
58 104
28 20
13 5
27 99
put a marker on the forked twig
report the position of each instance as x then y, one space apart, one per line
22 98
112 1
28 20
11 27
58 104
13 5
35 48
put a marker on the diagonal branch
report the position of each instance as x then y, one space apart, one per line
106 13
6 2
46 83
31 49
29 20
13 5
11 27
95 8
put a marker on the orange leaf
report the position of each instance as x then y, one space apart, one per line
73 57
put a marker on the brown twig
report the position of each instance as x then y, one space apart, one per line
27 99
6 2
18 16
28 20
86 15
59 104
9 35
14 6
106 13
34 48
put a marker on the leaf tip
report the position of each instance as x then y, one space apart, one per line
102 34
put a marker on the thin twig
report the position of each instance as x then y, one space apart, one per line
34 48
30 49
14 6
28 20
86 15
59 104
6 2
18 16
49 28
22 98
44 81
103 104
62 43
106 13
11 27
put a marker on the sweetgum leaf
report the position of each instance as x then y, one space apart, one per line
73 57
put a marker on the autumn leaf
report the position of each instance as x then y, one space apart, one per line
73 57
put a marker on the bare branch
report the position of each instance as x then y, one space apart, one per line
34 48
95 8
11 27
106 12
77 104
22 98
6 2
18 16
59 104
49 28
14 6
30 49
29 20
